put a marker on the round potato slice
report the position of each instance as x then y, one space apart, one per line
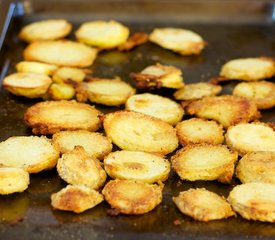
78 168
203 205
196 91
205 162
13 180
76 199
63 74
102 34
135 165
36 67
248 69
31 85
110 92
196 130
139 132
250 137
227 109
61 91
61 53
32 153
156 106
132 197
182 41
45 30
95 144
262 92
257 167
254 201
53 116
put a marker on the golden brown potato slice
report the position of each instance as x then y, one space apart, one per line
250 137
132 197
262 92
248 69
196 130
203 205
36 67
257 167
110 92
45 30
254 201
78 168
139 132
53 116
182 41
196 91
102 34
33 154
95 144
76 199
61 53
227 110
133 41
135 165
13 180
30 85
156 106
157 76
61 91
205 162
65 74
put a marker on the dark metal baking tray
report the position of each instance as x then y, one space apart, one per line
232 29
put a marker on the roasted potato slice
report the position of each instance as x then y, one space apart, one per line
102 34
32 153
205 162
139 132
132 197
262 92
36 67
250 137
61 91
227 110
157 106
257 167
248 69
254 201
13 180
157 76
76 199
203 205
61 53
78 168
95 144
45 30
182 41
110 92
196 130
135 165
66 74
53 116
30 85
196 91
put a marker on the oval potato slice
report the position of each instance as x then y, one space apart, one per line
45 30
31 85
13 180
254 201
61 91
250 137
139 132
36 67
32 153
76 199
203 205
133 165
61 53
132 197
157 106
50 117
65 74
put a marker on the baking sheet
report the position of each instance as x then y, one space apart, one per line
29 215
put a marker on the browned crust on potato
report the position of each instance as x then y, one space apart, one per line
133 41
